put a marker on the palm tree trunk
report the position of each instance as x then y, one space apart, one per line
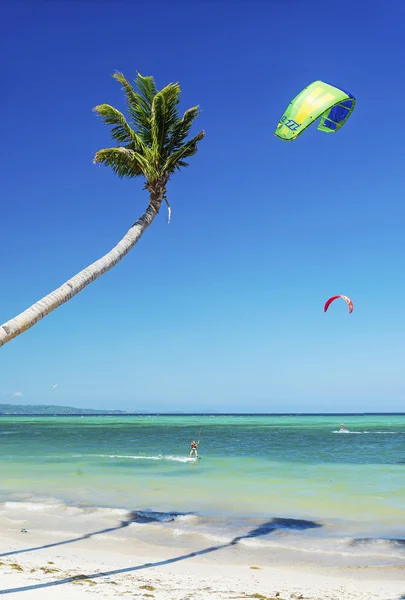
73 286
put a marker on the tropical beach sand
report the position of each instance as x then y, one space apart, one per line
39 563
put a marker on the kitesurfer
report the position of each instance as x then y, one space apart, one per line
193 449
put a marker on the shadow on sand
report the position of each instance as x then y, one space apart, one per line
276 524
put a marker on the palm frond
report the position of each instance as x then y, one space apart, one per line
176 160
157 124
138 107
121 131
181 130
171 94
147 87
148 167
164 116
122 161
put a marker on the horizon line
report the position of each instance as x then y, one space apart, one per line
198 414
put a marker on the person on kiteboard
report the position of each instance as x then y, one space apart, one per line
193 449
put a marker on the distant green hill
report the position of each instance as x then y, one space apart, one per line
43 409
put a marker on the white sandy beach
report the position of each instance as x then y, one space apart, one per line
99 568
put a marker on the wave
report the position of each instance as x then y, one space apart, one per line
375 548
366 432
151 516
293 542
105 511
352 548
22 509
211 537
32 506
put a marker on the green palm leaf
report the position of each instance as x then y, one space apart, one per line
147 87
121 160
181 130
176 158
138 107
121 131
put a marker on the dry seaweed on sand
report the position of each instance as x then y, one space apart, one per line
49 569
261 597
150 588
82 579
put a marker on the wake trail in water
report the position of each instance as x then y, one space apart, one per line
182 459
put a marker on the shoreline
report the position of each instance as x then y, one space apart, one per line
306 540
96 552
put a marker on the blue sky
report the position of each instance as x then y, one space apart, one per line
223 309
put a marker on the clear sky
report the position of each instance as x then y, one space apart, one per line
223 308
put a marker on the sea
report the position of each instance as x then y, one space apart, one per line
276 484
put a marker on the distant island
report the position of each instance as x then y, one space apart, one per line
46 409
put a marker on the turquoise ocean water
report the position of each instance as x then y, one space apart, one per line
274 481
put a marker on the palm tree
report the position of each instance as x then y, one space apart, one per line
153 144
